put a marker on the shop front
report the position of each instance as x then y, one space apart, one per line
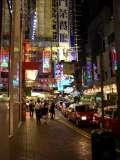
94 95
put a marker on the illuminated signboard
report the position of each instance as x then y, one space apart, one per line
60 86
73 56
67 55
63 55
67 80
46 61
58 71
95 74
31 75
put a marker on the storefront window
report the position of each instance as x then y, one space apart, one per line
4 51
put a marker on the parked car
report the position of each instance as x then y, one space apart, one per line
110 120
80 114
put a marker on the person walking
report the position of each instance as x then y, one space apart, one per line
31 107
45 111
38 111
52 110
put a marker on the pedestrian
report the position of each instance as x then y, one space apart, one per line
45 111
52 110
31 107
23 108
27 105
38 111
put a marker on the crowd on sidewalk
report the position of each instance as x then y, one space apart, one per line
42 108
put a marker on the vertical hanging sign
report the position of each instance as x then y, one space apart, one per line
89 69
46 61
114 61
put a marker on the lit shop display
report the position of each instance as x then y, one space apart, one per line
106 89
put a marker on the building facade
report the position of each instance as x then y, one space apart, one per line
102 52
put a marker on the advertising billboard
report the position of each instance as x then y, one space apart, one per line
67 55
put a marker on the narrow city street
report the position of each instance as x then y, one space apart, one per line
54 141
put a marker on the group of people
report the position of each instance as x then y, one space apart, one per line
42 108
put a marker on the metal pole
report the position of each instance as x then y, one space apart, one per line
101 80
102 76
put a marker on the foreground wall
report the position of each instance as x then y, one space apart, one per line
10 73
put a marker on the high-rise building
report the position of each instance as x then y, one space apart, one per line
63 30
44 20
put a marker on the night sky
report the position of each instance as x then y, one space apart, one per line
89 10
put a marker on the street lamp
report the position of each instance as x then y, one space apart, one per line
101 36
102 85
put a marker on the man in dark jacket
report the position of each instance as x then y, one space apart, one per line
52 110
31 108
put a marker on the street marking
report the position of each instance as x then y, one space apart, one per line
78 130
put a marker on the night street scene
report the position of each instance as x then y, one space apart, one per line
59 79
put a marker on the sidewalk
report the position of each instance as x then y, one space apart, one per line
54 141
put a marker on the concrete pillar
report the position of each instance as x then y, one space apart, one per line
15 68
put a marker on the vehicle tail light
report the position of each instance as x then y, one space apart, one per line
93 118
83 118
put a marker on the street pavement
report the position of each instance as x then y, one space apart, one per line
58 140
54 141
